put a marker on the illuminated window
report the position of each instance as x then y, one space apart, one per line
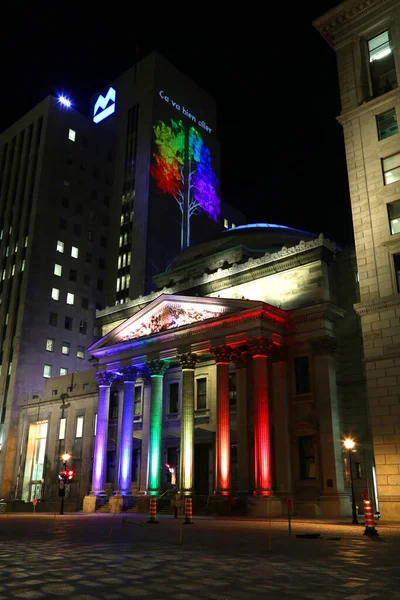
26 241
7 250
63 371
23 265
1 234
381 64
70 298
391 168
12 270
71 135
16 247
74 252
65 348
173 398
302 375
60 246
61 431
226 224
122 219
119 262
201 393
58 270
55 293
79 427
118 283
123 282
233 225
394 217
137 401
3 275
80 353
50 345
129 259
95 424
120 241
125 238
128 280
47 371
387 124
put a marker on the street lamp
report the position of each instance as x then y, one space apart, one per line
65 458
349 445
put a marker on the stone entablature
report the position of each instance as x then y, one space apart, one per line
338 25
364 308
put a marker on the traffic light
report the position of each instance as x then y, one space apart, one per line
70 474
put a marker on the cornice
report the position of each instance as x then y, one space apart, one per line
382 304
342 19
369 107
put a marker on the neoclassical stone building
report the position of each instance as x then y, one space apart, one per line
243 372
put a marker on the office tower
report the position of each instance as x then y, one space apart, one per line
366 39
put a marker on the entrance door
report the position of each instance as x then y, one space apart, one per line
201 467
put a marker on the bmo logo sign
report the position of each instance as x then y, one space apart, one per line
104 106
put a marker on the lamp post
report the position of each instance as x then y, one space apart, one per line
349 445
61 491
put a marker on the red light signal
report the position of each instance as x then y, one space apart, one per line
70 474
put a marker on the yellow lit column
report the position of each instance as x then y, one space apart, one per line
188 363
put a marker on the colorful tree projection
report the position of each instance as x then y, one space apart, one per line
191 182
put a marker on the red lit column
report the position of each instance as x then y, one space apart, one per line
260 349
223 435
241 361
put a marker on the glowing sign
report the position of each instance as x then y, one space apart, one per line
104 106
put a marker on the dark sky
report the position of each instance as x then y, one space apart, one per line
272 74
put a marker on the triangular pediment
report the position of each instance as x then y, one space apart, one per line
169 312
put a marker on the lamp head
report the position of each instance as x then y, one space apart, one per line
66 457
349 444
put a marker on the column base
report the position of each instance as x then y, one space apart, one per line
335 505
119 503
264 506
91 503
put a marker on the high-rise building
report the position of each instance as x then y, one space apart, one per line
366 38
90 208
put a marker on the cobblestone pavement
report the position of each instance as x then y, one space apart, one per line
91 557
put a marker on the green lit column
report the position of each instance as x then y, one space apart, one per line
188 363
156 369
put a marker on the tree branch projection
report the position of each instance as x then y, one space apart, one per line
168 171
104 378
128 374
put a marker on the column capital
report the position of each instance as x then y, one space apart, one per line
223 354
128 374
157 367
260 346
241 358
279 353
324 346
105 378
188 360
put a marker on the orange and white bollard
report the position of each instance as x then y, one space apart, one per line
369 519
153 511
188 512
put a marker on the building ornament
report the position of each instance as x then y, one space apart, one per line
392 301
223 353
324 346
188 360
157 367
105 378
128 374
260 346
240 357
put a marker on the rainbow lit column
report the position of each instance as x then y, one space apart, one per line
260 348
156 369
104 380
188 363
223 435
128 375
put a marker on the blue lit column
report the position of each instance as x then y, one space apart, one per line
156 369
128 376
104 380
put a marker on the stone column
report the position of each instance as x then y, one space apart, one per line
104 380
260 349
156 369
282 460
333 500
128 375
223 435
144 453
188 363
241 361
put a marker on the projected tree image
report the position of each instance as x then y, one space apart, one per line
192 182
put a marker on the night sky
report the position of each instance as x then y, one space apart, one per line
272 74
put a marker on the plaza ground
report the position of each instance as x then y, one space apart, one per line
81 556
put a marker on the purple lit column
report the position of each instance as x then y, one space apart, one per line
128 375
104 380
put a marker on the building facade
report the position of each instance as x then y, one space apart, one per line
366 38
243 372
